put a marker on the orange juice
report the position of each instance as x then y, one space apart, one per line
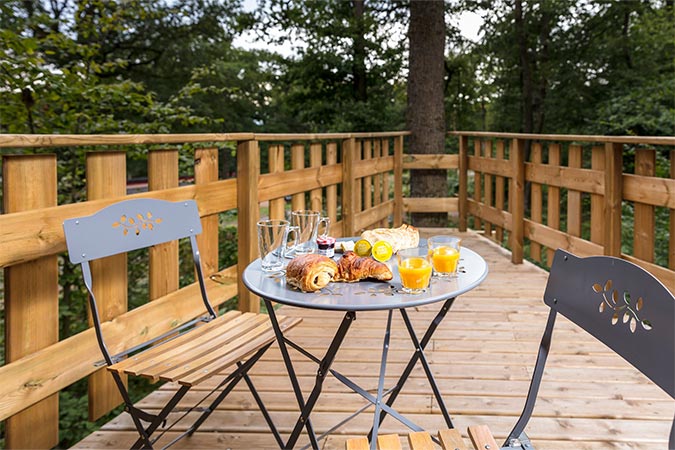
415 273
444 259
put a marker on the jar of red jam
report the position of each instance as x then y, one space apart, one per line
326 245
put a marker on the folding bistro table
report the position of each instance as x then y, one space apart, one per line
360 297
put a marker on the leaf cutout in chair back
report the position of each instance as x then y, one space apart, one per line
626 317
640 303
597 288
633 325
602 307
615 296
615 318
647 325
608 285
626 297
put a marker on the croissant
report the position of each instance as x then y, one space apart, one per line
310 272
354 268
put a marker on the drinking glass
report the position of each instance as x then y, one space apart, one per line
444 252
308 222
414 267
273 243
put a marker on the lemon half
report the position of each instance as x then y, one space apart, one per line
382 251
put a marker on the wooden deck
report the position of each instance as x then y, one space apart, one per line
482 357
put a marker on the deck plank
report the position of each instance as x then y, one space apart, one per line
482 357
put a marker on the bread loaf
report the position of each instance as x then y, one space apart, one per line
405 236
310 272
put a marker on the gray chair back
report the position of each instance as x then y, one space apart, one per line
621 305
130 225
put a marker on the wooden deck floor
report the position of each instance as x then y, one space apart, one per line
482 357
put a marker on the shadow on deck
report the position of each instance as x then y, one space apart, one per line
482 357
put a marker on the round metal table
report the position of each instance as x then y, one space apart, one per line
356 297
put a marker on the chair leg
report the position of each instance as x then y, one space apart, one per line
129 407
159 418
231 381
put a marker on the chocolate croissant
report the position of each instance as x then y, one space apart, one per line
352 267
310 272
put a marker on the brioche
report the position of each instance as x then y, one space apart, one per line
405 236
310 272
352 267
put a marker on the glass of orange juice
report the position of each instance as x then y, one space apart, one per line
414 267
444 253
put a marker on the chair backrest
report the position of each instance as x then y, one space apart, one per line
130 225
620 304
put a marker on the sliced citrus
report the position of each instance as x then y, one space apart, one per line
362 247
382 251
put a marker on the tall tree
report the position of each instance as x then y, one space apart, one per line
425 115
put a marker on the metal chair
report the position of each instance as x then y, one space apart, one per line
618 303
189 353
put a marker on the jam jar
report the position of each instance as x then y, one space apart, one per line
326 245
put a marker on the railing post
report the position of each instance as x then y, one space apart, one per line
348 187
206 171
644 223
331 191
248 174
275 163
613 196
398 181
107 177
164 270
31 298
298 162
463 181
517 194
597 201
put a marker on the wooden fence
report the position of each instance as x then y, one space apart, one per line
505 189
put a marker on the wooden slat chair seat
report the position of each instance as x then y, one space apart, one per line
615 301
211 348
449 439
190 353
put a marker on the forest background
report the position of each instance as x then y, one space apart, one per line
172 66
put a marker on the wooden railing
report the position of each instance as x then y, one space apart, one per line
355 178
578 182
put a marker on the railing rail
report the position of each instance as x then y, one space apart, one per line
533 193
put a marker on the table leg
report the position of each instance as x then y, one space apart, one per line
413 360
322 372
291 371
380 385
427 369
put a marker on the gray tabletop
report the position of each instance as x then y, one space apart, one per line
368 295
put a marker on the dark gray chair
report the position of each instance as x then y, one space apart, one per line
187 354
620 304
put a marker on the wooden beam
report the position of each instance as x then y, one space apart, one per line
398 181
517 201
163 174
107 177
613 197
349 192
31 299
248 173
463 181
206 171
28 235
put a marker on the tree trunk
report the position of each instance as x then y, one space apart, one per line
526 87
426 113
359 71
